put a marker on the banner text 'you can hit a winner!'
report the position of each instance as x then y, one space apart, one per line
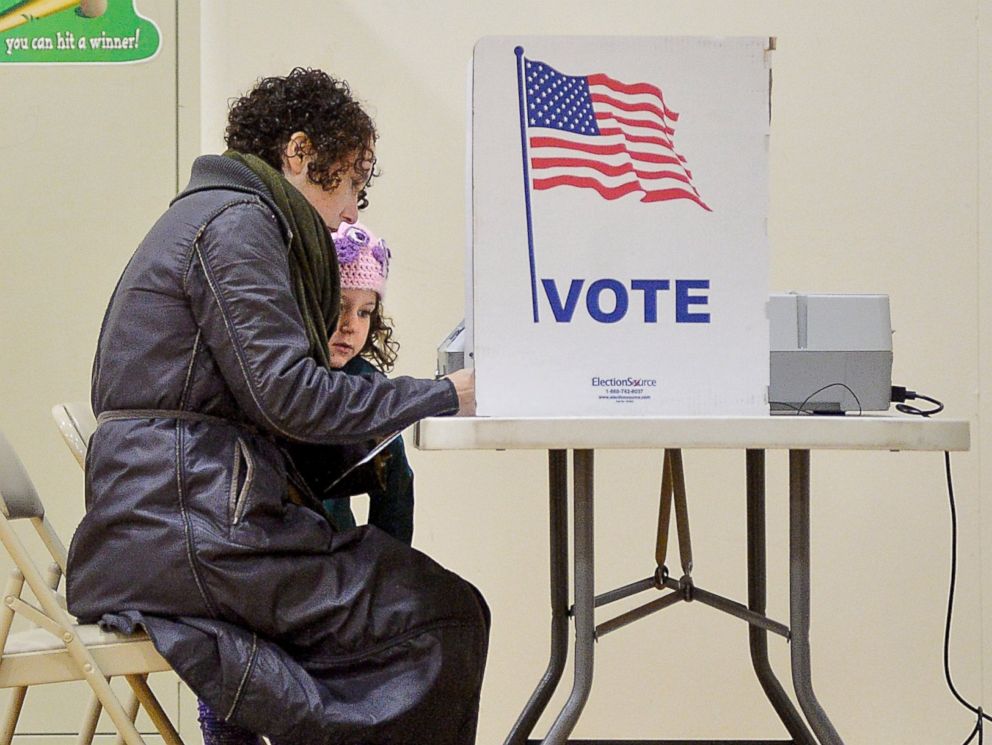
75 32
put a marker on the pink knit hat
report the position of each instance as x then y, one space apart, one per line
362 257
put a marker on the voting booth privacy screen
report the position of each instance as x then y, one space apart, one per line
619 247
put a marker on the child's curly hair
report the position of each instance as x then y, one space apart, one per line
380 348
341 135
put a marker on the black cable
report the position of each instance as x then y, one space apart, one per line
830 385
801 408
977 710
900 394
909 409
976 730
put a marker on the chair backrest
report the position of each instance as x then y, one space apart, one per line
77 425
18 497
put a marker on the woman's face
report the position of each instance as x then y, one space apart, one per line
336 206
353 326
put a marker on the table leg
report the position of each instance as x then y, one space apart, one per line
558 512
584 600
757 600
799 597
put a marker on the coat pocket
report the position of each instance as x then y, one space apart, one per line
242 476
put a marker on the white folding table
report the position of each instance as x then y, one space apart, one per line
584 435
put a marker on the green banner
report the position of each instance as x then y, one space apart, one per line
75 31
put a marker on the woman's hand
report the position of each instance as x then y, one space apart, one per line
464 381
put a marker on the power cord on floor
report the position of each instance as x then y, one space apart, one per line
899 395
976 710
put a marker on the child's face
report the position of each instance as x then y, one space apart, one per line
353 326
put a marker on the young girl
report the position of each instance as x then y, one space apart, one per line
362 344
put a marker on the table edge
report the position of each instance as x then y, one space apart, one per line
883 432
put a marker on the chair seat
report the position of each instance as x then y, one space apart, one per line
35 656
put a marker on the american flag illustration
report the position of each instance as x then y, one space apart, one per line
595 132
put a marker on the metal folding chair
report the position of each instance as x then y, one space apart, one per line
59 649
76 424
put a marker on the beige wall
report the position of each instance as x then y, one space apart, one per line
88 160
881 149
984 250
874 173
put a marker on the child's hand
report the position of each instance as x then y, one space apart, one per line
464 381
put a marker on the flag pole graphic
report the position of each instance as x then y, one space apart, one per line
522 98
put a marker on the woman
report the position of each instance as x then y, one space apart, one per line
212 359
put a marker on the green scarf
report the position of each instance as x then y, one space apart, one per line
313 265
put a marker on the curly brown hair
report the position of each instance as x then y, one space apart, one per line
380 348
341 135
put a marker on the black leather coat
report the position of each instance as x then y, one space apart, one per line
276 621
